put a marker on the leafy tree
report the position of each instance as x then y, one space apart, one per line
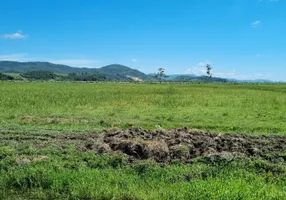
161 74
209 68
4 77
85 77
48 75
39 75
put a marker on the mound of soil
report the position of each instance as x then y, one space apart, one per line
181 144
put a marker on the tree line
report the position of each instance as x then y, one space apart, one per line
48 75
5 77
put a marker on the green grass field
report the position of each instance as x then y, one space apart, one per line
32 114
258 109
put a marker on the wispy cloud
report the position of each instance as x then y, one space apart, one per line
227 74
255 24
200 69
239 76
134 60
195 70
15 36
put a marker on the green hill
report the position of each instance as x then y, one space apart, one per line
22 67
119 72
111 72
6 77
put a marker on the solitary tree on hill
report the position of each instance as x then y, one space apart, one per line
161 74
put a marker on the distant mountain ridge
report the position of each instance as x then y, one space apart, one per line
116 71
173 76
22 67
111 72
192 78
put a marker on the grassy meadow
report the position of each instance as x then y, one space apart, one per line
248 108
36 162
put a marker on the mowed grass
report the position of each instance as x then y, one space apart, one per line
242 108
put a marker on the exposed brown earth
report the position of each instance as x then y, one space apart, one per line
180 144
163 146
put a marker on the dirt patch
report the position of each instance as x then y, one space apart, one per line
163 146
180 144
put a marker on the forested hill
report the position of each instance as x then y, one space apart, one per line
117 71
22 67
111 72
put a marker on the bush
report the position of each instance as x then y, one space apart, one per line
39 75
5 77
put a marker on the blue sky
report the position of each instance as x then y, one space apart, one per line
244 39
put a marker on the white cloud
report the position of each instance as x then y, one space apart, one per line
235 75
255 24
200 69
231 74
239 76
134 60
195 70
15 36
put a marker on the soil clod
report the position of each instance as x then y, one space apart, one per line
183 144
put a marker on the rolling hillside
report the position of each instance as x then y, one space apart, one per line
117 72
21 67
111 72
